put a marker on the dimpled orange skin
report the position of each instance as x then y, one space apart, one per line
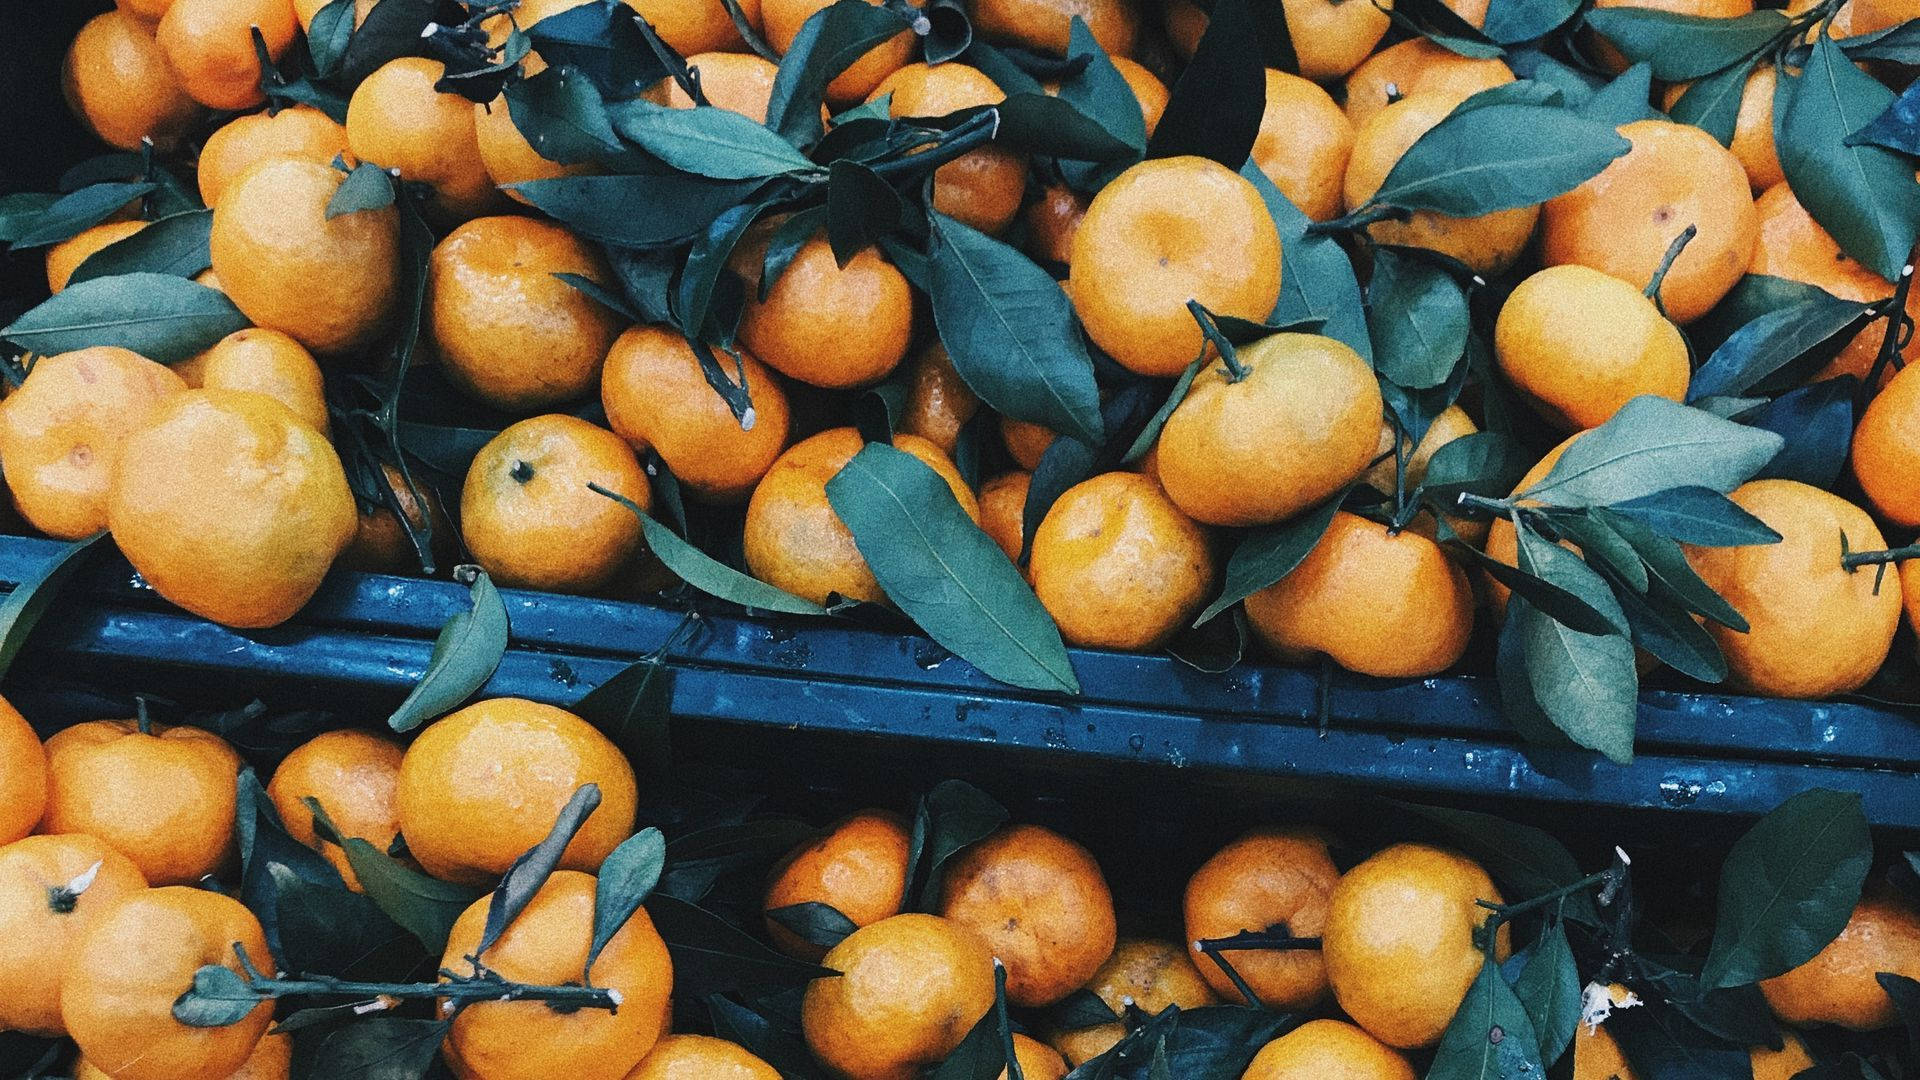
1579 344
329 283
305 10
1003 508
1042 905
782 20
1622 221
1838 986
300 132
121 1012
737 82
117 82
1414 66
982 187
793 538
1045 25
695 26
548 531
1303 144
23 776
1399 941
858 868
1817 629
271 363
699 1057
546 944
1148 974
1328 1050
1886 449
1752 128
505 328
397 120
1489 243
41 919
230 506
1391 605
1332 37
66 256
823 324
147 11
209 46
61 433
1300 426
909 989
1268 879
1037 1060
353 774
939 402
1051 222
1792 245
1161 233
1027 442
480 786
164 800
656 396
272 1059
1118 565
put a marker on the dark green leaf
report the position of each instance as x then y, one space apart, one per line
861 208
163 318
829 42
1439 24
561 115
1216 104
1649 446
218 997
328 930
1698 516
1604 550
1486 463
28 601
1556 601
1788 887
468 648
175 245
1585 683
1151 433
1712 102
695 860
1499 158
707 141
425 907
1518 701
372 1047
709 575
1491 1036
1099 90
367 187
530 871
1525 860
1316 277
627 878
1753 296
1045 124
1817 422
1905 993
1216 646
1510 22
1679 46
814 923
603 42
636 210
327 36
392 31
633 709
602 295
703 276
1080 1010
1549 989
1417 318
952 816
1065 462
646 280
21 211
1772 342
711 956
982 1055
1271 552
1670 573
1623 100
77 212
1663 627
1555 565
1660 1041
1897 129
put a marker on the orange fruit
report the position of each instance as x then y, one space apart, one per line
1118 565
327 282
505 328
782 20
793 538
1452 423
23 778
982 187
62 430
1026 441
1301 425
305 10
1042 905
397 120
1044 24
1051 222
507 155
480 786
121 1013
1003 509
1489 243
546 944
1783 1064
528 516
858 868
698 1057
862 1027
272 1059
822 323
1417 66
1399 941
164 797
1817 629
52 890
1303 144
1752 128
1185 23
696 26
380 545
1386 604
1838 986
1578 344
737 82
1036 1059
1268 879
1152 94
300 132
1886 449
209 47
656 396
1161 233
1597 1056
1622 221
1150 975
147 11
1611 58
66 256
117 81
1332 37
353 774
230 506
939 403
1328 1050
271 363
1871 15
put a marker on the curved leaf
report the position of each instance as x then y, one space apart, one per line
707 141
1680 47
1499 157
1271 552
163 318
32 595
78 211
1651 445
636 211
1772 342
1216 105
175 245
468 648
709 575
1417 317
626 879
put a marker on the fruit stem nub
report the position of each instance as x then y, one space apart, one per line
1652 291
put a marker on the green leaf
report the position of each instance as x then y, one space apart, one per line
524 879
1556 601
468 648
1604 550
561 115
175 245
1670 574
946 574
636 211
707 141
328 34
20 211
829 42
1557 566
1486 463
1623 100
1865 196
1788 887
1905 993
626 879
949 818
1150 434
603 42
1510 22
1681 47
1010 332
1752 296
1771 343
814 923
1652 445
371 1047
1215 108
1053 126
1699 516
982 1055
423 906
861 208
367 187
1499 158
218 997
1817 422
1585 684
28 601
325 929
1664 628
1897 129
75 213
1316 277
387 34
1549 989
709 575
712 956
1099 90
1271 552
163 318
1417 317
1527 861
1491 1036
1712 103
